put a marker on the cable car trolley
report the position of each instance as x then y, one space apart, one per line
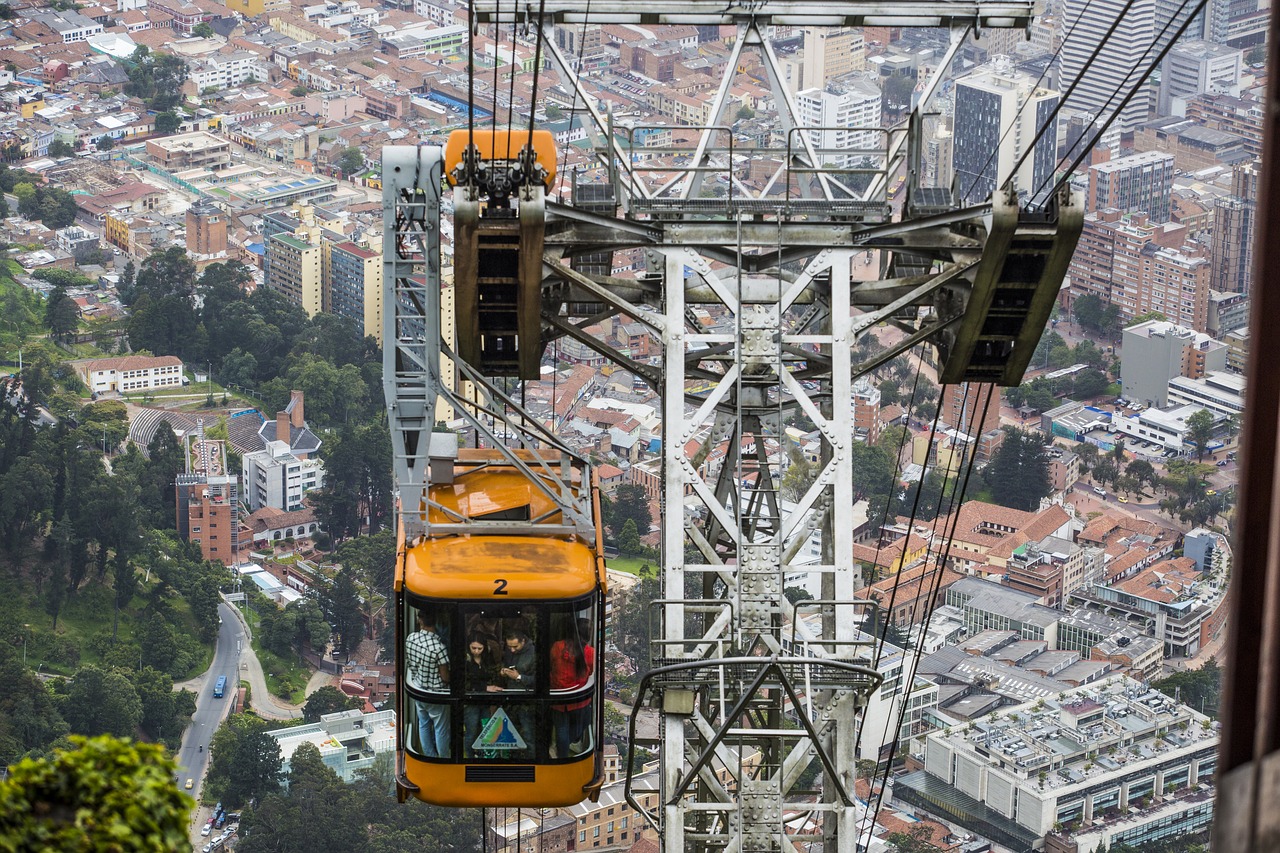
500 627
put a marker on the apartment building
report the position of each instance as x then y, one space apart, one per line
1157 351
837 113
355 286
1138 183
295 270
1000 112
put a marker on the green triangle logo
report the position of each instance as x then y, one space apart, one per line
500 733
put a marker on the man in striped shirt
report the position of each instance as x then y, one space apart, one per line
426 661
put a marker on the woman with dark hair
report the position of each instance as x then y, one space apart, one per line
572 660
481 672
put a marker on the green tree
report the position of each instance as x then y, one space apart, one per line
918 839
799 476
101 701
105 143
341 605
156 78
298 91
327 700
1144 318
61 314
168 122
1199 688
102 794
58 148
246 762
629 540
351 160
1018 474
629 503
202 30
1200 431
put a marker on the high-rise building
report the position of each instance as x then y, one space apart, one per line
1140 267
866 411
1233 232
208 500
295 270
1197 67
1000 112
836 113
355 286
962 406
1139 183
206 229
1118 64
1157 351
831 53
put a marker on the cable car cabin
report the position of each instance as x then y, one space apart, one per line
501 645
498 246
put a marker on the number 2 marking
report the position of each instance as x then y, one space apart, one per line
500 586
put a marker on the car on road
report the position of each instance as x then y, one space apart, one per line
204 832
1221 463
1122 499
191 783
1211 492
1099 491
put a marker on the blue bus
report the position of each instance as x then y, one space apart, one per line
220 688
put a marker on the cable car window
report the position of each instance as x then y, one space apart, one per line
426 659
501 664
572 662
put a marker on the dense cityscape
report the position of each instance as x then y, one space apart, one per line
196 499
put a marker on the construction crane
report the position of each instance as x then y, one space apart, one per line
750 688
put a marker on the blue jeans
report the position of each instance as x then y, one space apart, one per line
569 726
433 729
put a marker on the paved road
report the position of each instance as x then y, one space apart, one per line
264 704
193 756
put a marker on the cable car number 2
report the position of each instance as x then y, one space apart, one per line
500 586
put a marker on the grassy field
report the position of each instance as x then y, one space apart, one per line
632 565
286 679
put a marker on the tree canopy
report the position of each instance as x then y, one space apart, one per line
156 78
101 794
1018 474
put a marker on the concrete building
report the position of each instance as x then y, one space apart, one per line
1227 312
355 286
866 411
986 606
962 406
1107 763
1000 112
277 478
1196 67
1138 183
295 270
1233 232
184 151
1220 392
840 110
1114 67
208 513
206 229
830 53
1156 351
1140 266
1156 430
130 373
348 741
225 70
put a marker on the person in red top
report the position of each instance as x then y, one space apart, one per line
573 660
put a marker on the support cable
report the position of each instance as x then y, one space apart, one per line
1137 86
897 466
1062 100
1043 73
897 578
537 66
573 105
931 606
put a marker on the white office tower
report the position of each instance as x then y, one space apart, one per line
1195 67
999 112
1119 64
842 118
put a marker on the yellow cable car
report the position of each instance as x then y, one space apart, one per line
500 642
